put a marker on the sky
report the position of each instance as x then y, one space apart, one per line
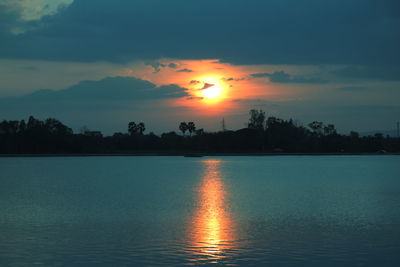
104 63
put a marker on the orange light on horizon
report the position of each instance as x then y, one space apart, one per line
211 228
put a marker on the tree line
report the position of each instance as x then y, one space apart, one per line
262 135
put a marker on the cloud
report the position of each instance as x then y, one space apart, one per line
383 73
184 70
23 15
195 98
207 85
157 66
234 79
172 65
103 92
283 77
107 104
363 32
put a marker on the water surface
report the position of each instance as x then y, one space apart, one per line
147 211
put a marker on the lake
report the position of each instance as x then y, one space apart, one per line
172 211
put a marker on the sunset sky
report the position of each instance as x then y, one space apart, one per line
103 63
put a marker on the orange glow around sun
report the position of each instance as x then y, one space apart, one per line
212 87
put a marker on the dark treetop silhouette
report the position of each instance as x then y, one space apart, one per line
271 135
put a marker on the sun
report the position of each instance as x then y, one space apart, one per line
212 92
210 89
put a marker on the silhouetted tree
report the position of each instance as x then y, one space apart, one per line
191 127
10 127
199 131
134 128
183 127
52 136
273 122
34 123
329 129
22 126
171 140
354 135
54 126
257 118
84 129
316 127
141 128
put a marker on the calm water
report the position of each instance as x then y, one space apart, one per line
147 211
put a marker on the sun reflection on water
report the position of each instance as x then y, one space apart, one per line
211 228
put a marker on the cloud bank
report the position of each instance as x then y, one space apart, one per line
114 100
361 32
283 77
105 94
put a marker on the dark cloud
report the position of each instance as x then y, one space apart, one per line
157 66
261 75
108 104
207 85
383 73
103 92
184 70
173 65
194 82
195 98
283 77
234 79
363 32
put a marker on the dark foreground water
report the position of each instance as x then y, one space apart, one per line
147 211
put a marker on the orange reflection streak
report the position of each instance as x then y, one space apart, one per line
211 231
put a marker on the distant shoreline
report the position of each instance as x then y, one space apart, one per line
141 154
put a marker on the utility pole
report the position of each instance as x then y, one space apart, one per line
223 125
